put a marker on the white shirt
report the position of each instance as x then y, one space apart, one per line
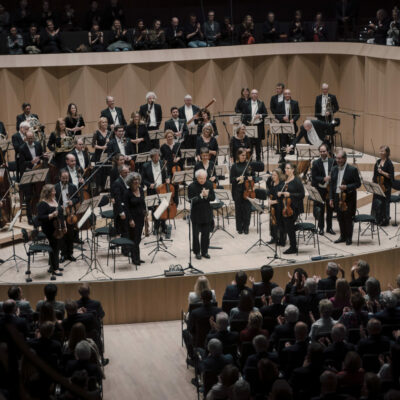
287 108
114 115
32 150
74 176
280 98
153 121
176 122
121 146
156 173
254 109
313 137
324 101
325 164
81 159
64 193
340 178
189 115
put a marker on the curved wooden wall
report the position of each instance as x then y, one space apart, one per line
364 77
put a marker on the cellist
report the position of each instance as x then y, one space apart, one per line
240 172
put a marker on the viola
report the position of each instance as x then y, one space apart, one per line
342 201
381 182
272 212
249 191
287 204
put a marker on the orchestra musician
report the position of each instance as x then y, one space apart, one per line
56 143
26 115
241 104
384 176
188 112
326 104
206 164
345 181
320 179
136 213
138 135
240 141
81 154
254 114
99 142
205 118
51 218
3 131
275 184
207 139
238 175
177 125
154 175
67 197
276 99
75 172
114 115
201 193
74 121
314 132
151 114
117 161
18 139
292 194
119 144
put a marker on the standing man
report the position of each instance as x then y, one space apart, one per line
345 181
187 112
320 179
255 112
176 124
18 139
82 157
200 193
326 105
151 113
26 115
114 115
119 144
276 99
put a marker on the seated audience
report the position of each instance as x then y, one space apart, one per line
215 360
211 29
265 286
226 380
220 331
50 40
319 31
329 383
390 366
297 29
48 314
174 34
372 387
372 294
295 279
351 378
273 309
193 34
113 11
393 33
246 305
120 40
89 304
270 29
355 316
93 15
281 390
268 373
285 329
379 27
362 270
25 309
50 293
96 38
325 323
261 347
241 390
375 342
329 283
342 295
227 33
232 291
390 315
15 42
156 37
254 327
246 31
32 40
201 284
140 36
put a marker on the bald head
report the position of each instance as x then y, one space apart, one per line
325 88
307 124
287 94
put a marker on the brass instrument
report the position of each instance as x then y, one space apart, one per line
36 128
328 109
67 145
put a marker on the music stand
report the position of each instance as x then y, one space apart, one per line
14 256
235 119
221 195
225 152
182 177
156 135
252 131
268 121
281 129
142 157
34 176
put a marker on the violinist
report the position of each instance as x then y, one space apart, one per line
205 118
154 175
73 121
117 161
138 134
345 181
291 195
177 125
75 172
206 139
384 176
51 218
99 142
200 193
275 184
119 144
240 141
67 196
171 154
240 172
206 164
56 143
81 154
136 213
320 179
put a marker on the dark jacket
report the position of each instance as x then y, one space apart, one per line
92 306
232 292
22 118
113 148
157 110
85 156
328 283
274 104
106 113
182 114
117 192
201 211
170 124
293 357
148 178
295 112
318 105
71 191
25 156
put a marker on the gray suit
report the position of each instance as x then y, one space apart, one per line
210 32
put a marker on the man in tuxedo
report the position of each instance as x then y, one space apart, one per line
119 145
152 114
82 157
18 139
200 193
255 112
320 178
114 115
176 124
326 105
344 179
187 112
314 132
66 194
75 172
277 98
26 108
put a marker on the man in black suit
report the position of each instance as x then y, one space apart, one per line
82 156
270 29
375 342
200 193
188 112
114 115
74 172
26 108
320 178
174 34
329 283
276 99
344 180
254 114
152 114
261 346
314 133
326 105
67 196
232 292
176 124
220 331
18 140
285 329
118 145
265 286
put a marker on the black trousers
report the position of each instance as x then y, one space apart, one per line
242 214
67 248
345 219
256 144
319 212
289 229
204 230
278 233
155 144
381 207
135 234
54 257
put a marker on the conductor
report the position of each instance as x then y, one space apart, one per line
200 193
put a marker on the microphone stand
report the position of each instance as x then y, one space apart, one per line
354 129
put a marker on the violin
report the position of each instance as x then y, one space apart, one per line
287 204
248 185
70 212
58 228
342 201
272 212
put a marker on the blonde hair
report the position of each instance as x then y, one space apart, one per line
101 120
208 126
255 319
45 194
201 284
279 173
168 132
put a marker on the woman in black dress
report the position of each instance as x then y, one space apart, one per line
205 118
138 134
242 101
73 121
207 164
136 213
240 141
238 175
293 188
206 139
99 142
51 218
118 161
384 175
275 185
60 142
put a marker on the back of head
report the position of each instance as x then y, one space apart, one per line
301 331
84 290
267 371
315 354
338 333
373 288
241 390
241 279
266 273
372 384
246 301
50 291
277 294
374 326
229 375
325 308
352 362
214 347
363 268
9 306
201 284
281 390
311 285
328 382
206 297
14 293
83 351
71 307
46 329
260 344
389 299
222 321
80 378
357 301
291 313
332 269
255 320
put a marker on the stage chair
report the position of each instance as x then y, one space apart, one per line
114 244
395 198
107 230
303 227
371 221
108 214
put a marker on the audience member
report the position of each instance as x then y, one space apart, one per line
319 30
261 347
351 378
268 373
297 30
355 316
89 304
307 299
373 294
393 33
47 13
379 27
4 19
15 42
254 327
156 36
362 269
271 29
372 387
390 366
15 293
22 16
68 19
246 31
216 360
140 36
50 293
223 389
285 329
232 291
281 390
375 342
32 40
241 390
119 40
201 284
220 331
299 275
329 283
193 33
174 34
112 12
96 38
47 314
211 29
342 295
227 33
50 39
325 323
329 382
246 305
265 286
390 315
93 16
346 17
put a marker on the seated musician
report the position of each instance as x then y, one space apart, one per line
138 134
136 213
293 189
171 154
57 143
81 154
18 139
275 184
51 218
30 154
67 197
201 193
206 164
204 119
119 144
207 139
177 125
240 141
154 175
345 181
384 176
75 172
240 172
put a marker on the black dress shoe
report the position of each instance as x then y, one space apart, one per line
246 231
104 361
283 244
240 232
60 269
62 259
30 221
71 258
290 250
349 242
198 256
330 231
321 232
206 255
272 241
57 273
141 261
340 240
